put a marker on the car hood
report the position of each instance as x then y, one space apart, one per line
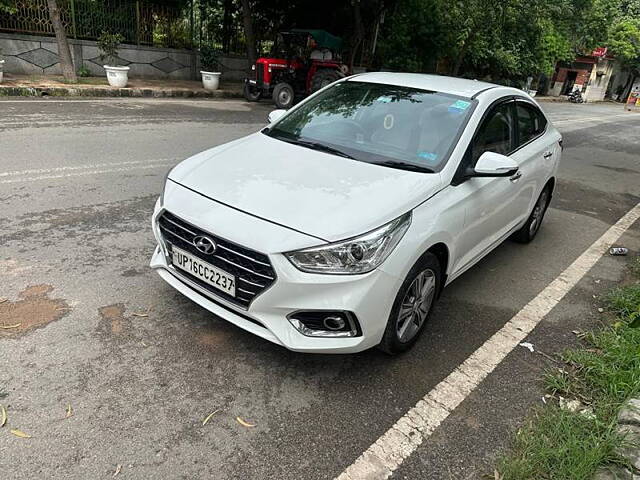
316 193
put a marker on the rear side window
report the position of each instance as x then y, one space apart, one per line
496 133
531 122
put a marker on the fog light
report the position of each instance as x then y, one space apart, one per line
322 323
334 323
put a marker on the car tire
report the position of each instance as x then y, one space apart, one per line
531 227
324 77
283 95
252 94
411 312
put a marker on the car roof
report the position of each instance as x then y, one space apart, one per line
437 83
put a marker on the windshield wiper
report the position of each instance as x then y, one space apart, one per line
406 166
314 145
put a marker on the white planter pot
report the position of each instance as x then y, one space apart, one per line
210 80
1 72
533 92
117 76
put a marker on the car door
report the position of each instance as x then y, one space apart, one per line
490 211
533 154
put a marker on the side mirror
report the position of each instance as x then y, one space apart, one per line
275 115
491 164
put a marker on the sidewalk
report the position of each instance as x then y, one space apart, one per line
50 85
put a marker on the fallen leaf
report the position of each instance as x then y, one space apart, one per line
243 423
118 469
7 327
69 411
20 433
3 416
204 422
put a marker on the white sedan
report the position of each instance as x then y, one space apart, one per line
335 228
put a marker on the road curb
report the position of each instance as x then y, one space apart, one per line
14 91
629 429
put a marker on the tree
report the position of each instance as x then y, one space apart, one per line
68 71
248 32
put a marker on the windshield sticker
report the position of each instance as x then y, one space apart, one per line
428 156
384 99
459 106
388 121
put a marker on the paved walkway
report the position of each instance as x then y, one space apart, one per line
41 85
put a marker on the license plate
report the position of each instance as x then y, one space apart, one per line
206 272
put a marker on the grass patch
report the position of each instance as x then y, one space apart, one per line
558 444
634 266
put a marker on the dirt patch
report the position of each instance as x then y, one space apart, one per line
113 315
34 309
214 340
132 272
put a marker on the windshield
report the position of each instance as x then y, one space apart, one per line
394 126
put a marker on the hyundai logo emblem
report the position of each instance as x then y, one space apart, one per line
205 244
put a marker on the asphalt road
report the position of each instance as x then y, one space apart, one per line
110 370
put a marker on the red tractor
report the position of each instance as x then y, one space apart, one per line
304 61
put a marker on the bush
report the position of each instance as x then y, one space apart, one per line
83 71
209 58
108 44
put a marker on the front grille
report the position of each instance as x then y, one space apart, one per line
259 74
253 270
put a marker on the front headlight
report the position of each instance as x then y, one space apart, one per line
356 255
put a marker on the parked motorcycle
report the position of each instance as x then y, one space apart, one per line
576 96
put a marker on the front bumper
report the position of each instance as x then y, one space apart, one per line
368 296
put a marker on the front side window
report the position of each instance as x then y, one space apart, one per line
496 133
399 127
531 122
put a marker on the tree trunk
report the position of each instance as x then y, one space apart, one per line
68 71
248 32
458 63
227 24
358 32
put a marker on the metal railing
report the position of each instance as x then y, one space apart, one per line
139 22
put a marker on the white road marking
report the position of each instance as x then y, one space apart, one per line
88 172
382 458
92 166
596 119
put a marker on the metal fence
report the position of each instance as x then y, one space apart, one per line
140 22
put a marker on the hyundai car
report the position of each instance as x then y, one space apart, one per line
336 227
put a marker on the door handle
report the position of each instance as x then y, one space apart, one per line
516 177
548 154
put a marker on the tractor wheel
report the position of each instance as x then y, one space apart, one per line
324 77
252 94
283 95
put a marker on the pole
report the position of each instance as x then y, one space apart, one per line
191 25
73 19
138 22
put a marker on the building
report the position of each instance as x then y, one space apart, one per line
590 74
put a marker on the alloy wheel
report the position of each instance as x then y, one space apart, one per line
415 305
538 212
